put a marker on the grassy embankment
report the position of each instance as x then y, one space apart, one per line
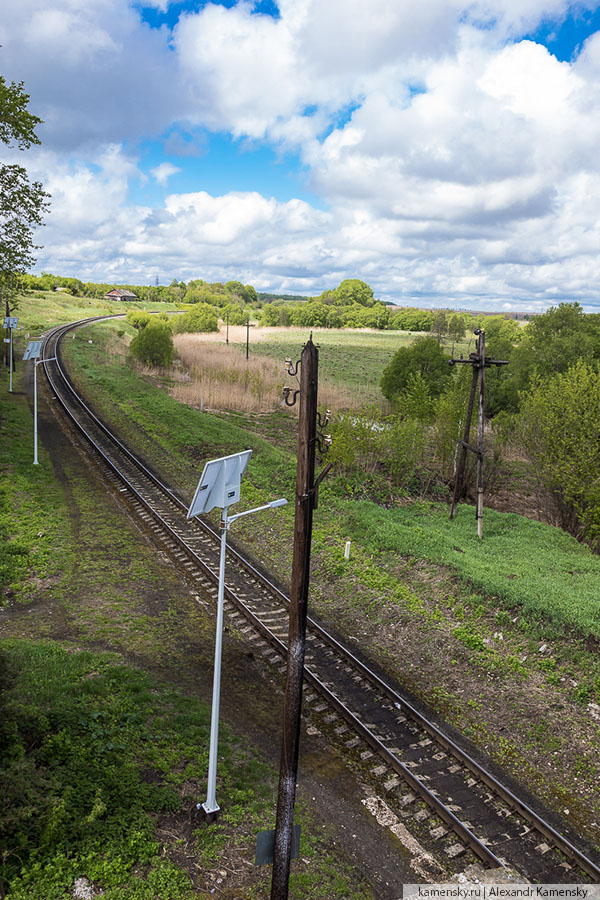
43 309
515 616
103 740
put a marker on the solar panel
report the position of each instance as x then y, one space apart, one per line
34 349
220 483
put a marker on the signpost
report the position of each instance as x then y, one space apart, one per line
220 486
10 323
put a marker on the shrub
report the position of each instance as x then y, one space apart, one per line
202 318
154 344
139 318
234 313
424 357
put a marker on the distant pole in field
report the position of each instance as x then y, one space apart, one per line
479 362
227 336
247 336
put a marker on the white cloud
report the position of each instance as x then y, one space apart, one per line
94 72
452 157
163 172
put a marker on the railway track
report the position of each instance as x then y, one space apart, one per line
459 809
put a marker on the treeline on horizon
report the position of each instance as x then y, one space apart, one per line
351 305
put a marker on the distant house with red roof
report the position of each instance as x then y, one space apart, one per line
119 294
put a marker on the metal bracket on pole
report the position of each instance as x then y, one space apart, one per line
314 490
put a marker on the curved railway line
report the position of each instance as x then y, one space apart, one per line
462 813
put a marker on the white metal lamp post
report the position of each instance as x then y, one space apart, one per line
219 486
10 323
34 348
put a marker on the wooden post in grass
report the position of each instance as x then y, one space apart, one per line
479 362
305 503
462 457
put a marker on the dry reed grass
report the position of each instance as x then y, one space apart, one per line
218 376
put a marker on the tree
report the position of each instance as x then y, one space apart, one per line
353 290
153 344
440 323
22 202
552 343
202 318
233 313
560 429
456 327
424 357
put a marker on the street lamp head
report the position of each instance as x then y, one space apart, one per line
274 503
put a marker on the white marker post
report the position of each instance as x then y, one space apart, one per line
10 323
220 486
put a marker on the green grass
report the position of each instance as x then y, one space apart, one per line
41 310
346 357
95 753
32 533
523 563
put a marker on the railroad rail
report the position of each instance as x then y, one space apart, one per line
427 779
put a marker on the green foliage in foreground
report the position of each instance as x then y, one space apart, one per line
32 533
78 731
527 565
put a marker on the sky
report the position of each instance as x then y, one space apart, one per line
445 152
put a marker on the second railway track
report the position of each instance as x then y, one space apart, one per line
463 810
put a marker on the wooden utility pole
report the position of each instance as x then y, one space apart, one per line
480 424
464 444
305 503
479 362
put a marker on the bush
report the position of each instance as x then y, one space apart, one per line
560 429
202 318
139 318
233 313
424 357
154 344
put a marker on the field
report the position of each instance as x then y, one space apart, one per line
351 362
